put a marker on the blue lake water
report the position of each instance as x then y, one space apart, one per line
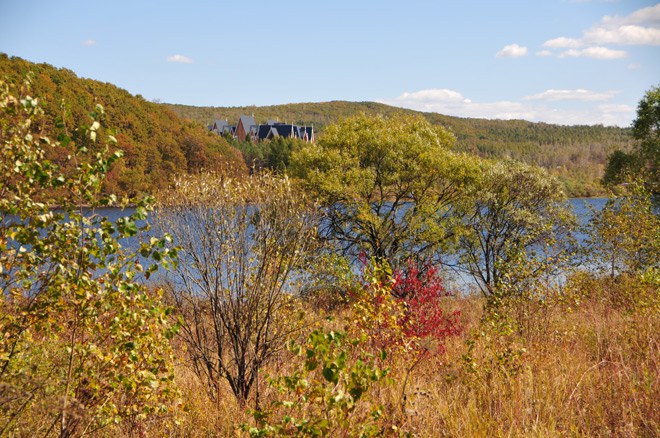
582 207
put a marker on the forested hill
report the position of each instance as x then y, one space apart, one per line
576 154
157 143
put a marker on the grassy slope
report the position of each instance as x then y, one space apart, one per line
576 154
157 143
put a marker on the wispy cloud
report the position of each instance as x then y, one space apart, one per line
579 94
433 96
623 35
562 43
546 106
512 51
89 43
594 52
180 58
642 27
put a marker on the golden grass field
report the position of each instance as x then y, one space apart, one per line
581 363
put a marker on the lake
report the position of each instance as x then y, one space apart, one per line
582 207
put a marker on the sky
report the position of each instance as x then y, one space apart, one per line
557 61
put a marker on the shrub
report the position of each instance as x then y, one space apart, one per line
405 317
424 319
244 242
403 309
82 344
624 237
330 393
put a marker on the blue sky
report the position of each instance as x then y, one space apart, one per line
559 61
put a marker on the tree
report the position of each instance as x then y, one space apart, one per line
279 152
644 161
389 186
242 242
156 143
83 344
625 235
519 224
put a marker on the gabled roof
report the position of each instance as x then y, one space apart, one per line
286 131
247 121
219 124
266 132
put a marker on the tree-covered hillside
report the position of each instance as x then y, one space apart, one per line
576 154
156 142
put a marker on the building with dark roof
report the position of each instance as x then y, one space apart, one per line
247 128
266 132
222 127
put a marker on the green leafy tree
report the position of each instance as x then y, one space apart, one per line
389 186
625 235
644 160
83 344
280 150
519 226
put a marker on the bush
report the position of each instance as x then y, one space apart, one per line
329 394
83 345
624 237
244 243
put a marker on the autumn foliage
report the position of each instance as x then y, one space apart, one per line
422 293
404 309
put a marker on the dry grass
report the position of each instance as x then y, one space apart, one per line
589 369
592 372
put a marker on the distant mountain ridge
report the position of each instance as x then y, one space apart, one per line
159 143
156 142
575 154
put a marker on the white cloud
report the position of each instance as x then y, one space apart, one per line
433 95
179 58
452 102
616 108
562 43
512 51
89 43
642 27
542 107
595 53
544 53
649 14
623 35
634 66
579 94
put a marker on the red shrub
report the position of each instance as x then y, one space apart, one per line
422 294
421 322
